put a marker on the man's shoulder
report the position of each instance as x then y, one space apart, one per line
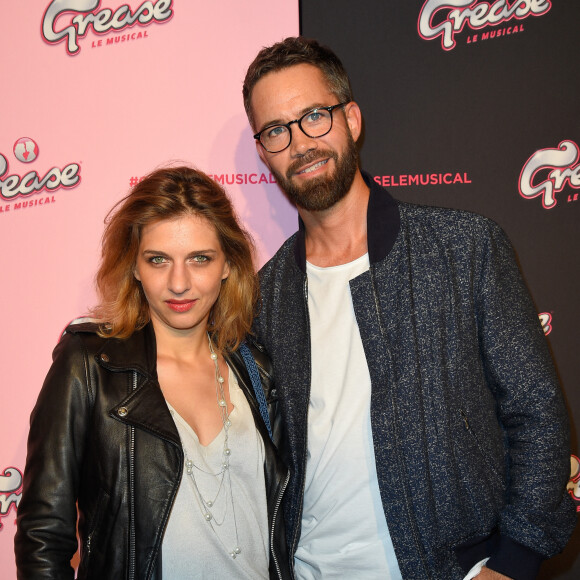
443 214
445 221
281 259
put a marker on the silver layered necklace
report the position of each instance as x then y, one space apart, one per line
209 506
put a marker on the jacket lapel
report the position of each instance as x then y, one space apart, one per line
145 408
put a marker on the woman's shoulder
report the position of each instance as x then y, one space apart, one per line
83 325
81 336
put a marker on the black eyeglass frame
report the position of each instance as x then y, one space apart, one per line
330 110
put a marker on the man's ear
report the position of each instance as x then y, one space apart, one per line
354 119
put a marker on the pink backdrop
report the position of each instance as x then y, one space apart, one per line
92 121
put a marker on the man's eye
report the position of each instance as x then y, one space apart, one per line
275 132
313 117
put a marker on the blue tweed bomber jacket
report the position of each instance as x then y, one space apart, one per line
469 425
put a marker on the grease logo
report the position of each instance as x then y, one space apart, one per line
548 171
446 18
573 486
10 491
18 190
25 150
546 322
69 20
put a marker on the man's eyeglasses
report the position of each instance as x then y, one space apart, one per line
315 123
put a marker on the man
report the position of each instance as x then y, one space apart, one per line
428 436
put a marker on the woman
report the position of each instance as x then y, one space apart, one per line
149 421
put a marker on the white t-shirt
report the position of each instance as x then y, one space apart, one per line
344 530
194 549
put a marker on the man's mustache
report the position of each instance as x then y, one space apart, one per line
309 158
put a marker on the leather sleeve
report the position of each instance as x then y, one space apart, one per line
46 537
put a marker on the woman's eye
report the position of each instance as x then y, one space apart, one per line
157 260
201 259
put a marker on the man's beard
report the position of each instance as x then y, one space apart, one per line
321 193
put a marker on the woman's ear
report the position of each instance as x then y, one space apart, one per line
226 271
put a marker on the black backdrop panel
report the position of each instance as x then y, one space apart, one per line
457 127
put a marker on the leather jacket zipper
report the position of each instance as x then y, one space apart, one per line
132 555
94 525
277 506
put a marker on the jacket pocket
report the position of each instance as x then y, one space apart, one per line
90 542
480 463
485 455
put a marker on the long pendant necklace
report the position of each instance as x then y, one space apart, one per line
207 506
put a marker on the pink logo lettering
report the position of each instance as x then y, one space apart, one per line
446 18
548 171
10 491
12 186
101 22
573 486
546 322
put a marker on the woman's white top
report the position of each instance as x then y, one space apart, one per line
195 548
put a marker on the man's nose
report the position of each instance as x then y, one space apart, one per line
301 143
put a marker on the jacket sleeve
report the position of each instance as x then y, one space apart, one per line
539 516
46 538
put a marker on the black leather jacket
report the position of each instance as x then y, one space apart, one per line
102 437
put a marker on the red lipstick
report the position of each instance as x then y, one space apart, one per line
180 305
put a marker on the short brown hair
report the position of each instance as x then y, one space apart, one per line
165 194
292 51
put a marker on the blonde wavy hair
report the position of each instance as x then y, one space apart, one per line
166 194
